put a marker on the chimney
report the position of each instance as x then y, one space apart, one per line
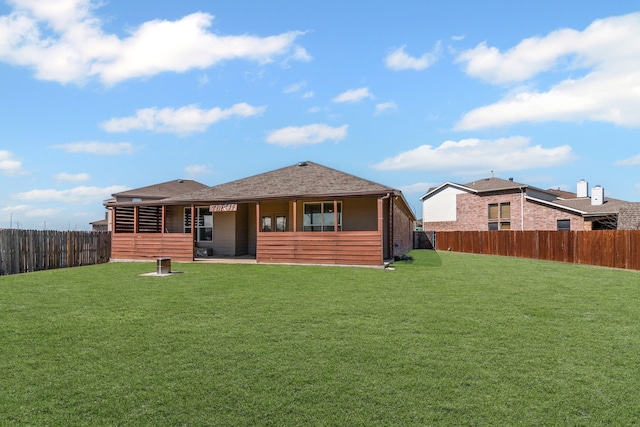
583 188
597 196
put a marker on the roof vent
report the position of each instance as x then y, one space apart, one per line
511 179
180 181
302 164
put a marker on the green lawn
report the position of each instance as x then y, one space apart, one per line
448 339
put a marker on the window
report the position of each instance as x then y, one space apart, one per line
564 224
281 223
499 216
268 221
319 216
203 224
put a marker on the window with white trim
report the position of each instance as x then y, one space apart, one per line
499 216
319 216
280 222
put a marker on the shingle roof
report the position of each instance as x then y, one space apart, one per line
629 217
562 194
494 184
583 204
305 179
163 190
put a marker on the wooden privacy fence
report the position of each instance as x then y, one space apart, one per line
607 248
22 251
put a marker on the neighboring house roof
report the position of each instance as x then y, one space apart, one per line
305 179
485 185
583 204
162 190
629 217
559 198
494 184
561 194
99 222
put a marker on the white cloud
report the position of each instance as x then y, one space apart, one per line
473 156
417 188
195 170
306 135
14 208
63 41
631 161
78 177
77 195
386 107
42 212
203 80
99 148
354 95
9 166
182 121
295 87
399 60
609 90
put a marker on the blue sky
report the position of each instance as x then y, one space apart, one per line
100 97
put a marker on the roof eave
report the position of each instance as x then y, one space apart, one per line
315 196
447 184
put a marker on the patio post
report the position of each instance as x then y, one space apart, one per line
136 210
295 216
164 219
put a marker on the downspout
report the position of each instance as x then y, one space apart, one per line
390 230
521 209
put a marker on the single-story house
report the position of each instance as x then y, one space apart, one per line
304 213
499 204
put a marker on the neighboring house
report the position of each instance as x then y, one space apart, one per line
305 213
100 225
150 193
498 204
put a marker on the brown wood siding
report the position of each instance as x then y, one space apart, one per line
360 214
242 232
251 229
344 248
178 246
224 233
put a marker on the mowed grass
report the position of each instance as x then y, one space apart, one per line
448 339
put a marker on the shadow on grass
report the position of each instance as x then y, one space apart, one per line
422 258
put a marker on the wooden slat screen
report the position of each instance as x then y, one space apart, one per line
124 220
345 248
143 246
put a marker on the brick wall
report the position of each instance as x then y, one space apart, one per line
402 231
472 214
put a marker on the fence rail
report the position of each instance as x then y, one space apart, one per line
23 251
607 248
